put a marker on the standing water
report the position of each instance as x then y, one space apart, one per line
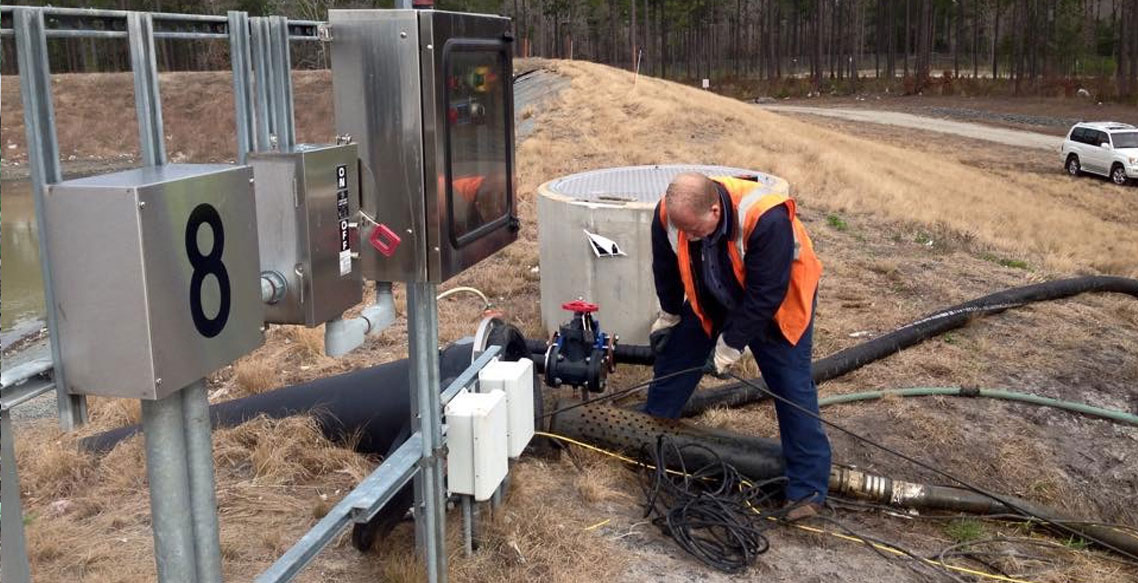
22 311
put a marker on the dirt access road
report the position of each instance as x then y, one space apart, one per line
1008 137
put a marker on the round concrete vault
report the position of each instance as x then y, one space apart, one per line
595 239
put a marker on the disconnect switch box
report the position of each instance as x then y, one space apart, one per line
476 444
516 380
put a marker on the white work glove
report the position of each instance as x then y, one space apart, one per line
662 331
722 359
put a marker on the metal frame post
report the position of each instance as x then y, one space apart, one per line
426 416
259 36
281 83
43 158
170 513
179 443
147 100
13 550
203 493
241 61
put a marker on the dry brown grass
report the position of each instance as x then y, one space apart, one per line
660 122
255 375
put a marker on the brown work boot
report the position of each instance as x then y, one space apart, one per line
800 510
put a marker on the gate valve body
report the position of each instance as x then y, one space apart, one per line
580 354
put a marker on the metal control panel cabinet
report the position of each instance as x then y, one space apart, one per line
156 276
428 96
306 200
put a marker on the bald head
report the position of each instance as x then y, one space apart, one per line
693 204
691 192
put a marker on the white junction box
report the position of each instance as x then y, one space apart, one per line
516 380
476 443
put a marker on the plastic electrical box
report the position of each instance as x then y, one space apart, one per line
515 379
307 198
477 459
156 276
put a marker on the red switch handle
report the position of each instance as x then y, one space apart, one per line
580 307
384 240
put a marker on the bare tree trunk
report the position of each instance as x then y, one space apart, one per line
908 33
975 38
996 41
632 34
818 20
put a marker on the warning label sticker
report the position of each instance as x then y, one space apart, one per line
343 212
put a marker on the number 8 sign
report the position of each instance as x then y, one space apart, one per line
204 265
158 284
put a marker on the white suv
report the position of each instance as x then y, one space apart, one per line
1102 147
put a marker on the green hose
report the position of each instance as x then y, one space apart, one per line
1111 414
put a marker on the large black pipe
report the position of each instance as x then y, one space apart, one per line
842 362
635 434
622 354
373 403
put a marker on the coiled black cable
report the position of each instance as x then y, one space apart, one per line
712 512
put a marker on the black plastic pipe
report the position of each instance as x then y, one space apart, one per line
373 403
850 359
623 354
635 434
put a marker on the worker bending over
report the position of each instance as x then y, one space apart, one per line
734 268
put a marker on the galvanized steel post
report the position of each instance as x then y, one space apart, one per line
180 422
147 100
259 40
43 157
203 496
240 61
13 549
281 84
170 514
430 525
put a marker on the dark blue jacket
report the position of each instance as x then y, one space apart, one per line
770 252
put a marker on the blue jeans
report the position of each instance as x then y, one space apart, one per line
786 370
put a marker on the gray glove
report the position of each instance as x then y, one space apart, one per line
662 331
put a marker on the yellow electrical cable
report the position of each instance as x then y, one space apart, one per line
599 524
812 529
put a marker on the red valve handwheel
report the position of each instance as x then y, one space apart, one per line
580 307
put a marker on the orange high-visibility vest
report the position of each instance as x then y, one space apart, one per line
467 187
793 315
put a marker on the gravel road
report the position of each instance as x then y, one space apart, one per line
976 131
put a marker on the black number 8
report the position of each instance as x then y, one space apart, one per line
207 264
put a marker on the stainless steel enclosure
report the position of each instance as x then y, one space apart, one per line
306 200
428 96
156 276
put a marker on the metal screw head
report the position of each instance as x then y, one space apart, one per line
158 381
403 34
142 204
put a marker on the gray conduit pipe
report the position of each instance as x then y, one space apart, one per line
343 336
1110 414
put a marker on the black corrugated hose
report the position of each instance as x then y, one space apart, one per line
842 362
